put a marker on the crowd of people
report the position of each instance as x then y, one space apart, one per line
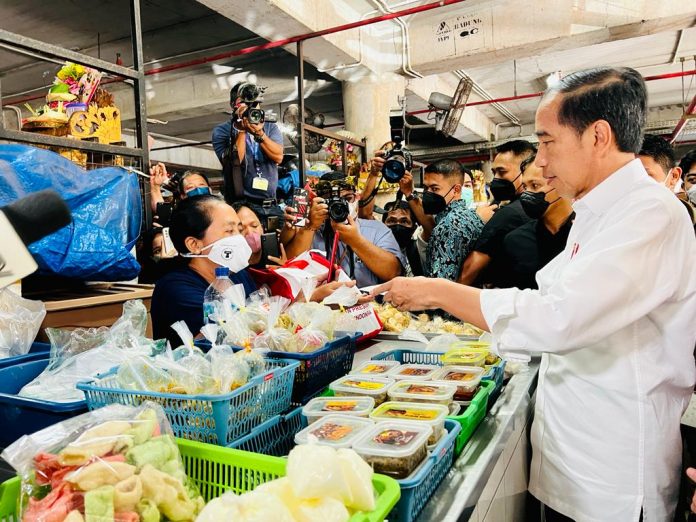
587 210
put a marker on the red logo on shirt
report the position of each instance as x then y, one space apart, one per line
574 251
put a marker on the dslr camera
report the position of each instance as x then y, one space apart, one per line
338 207
252 96
397 161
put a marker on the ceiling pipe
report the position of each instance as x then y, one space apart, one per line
681 124
539 94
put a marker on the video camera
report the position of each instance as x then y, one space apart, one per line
398 160
252 96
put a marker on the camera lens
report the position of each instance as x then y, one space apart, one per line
338 210
394 169
255 115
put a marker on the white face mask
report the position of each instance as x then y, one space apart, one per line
232 252
692 195
353 209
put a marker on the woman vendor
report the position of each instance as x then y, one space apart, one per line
201 228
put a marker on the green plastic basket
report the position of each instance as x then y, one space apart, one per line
215 469
473 415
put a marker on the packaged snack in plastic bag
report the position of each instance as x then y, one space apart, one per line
143 373
253 359
315 316
20 320
114 463
82 353
274 338
256 310
229 372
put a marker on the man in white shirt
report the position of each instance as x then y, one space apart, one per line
613 317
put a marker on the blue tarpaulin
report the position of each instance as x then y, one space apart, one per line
106 211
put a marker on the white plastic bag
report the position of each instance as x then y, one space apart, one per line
20 320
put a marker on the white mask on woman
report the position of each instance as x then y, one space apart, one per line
232 252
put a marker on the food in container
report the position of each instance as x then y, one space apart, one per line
431 414
338 431
455 409
414 372
319 407
465 357
394 448
375 368
467 379
375 387
423 391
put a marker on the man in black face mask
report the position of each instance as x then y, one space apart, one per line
528 248
402 222
450 227
486 264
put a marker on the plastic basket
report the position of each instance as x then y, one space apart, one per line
274 437
320 368
417 490
217 419
215 470
472 415
22 415
496 373
37 351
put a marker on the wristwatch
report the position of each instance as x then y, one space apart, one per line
412 196
258 138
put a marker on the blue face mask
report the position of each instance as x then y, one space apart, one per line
468 196
198 191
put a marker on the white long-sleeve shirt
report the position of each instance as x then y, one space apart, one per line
615 318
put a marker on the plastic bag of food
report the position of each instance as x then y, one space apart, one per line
229 372
314 316
274 338
234 326
81 354
143 373
344 296
114 463
256 309
20 321
253 359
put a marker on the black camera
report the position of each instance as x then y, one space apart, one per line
398 160
339 210
252 96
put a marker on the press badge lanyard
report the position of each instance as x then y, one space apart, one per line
259 182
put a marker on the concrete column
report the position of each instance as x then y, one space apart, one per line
366 107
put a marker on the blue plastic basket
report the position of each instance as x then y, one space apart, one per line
417 490
274 437
37 351
216 419
21 415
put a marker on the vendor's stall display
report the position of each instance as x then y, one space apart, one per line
432 415
320 407
422 391
375 387
397 321
413 372
467 379
374 368
337 431
394 448
118 463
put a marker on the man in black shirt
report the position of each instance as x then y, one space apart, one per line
485 265
528 248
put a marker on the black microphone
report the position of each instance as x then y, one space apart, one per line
37 215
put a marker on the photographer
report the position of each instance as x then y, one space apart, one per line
250 150
366 250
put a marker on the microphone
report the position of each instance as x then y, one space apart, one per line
24 222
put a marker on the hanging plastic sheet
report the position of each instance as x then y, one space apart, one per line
105 205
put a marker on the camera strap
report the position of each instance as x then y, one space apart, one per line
232 175
368 199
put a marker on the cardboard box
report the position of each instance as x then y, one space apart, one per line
92 306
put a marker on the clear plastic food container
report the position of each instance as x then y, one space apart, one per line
338 431
394 448
374 368
413 372
431 414
350 385
465 357
467 379
423 391
323 406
